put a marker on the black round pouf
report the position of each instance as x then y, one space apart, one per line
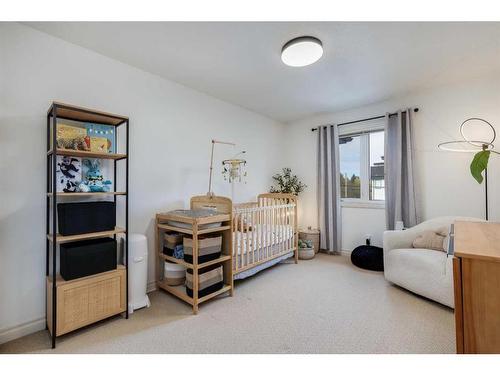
368 257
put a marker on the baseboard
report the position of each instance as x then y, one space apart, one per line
151 287
25 329
21 330
346 253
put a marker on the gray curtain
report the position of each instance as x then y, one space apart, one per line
400 197
329 218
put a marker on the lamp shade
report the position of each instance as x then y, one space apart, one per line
302 51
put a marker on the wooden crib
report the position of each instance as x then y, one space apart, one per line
264 232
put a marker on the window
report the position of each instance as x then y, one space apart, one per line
350 166
362 167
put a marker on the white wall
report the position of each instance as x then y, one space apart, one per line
171 129
444 183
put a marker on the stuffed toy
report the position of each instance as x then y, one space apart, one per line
94 181
79 143
67 165
68 174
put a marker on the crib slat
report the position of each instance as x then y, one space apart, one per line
277 226
254 244
235 241
270 231
282 228
247 237
261 237
291 227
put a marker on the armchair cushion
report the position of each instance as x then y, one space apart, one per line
431 239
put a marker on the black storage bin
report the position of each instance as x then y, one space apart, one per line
85 217
85 258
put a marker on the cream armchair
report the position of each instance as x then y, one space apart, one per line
426 272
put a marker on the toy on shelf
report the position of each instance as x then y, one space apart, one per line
72 138
68 174
79 144
93 178
98 144
102 137
90 137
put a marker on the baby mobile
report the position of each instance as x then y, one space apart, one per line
233 170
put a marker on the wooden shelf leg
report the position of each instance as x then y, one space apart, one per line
157 252
196 285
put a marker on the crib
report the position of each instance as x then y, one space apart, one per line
264 232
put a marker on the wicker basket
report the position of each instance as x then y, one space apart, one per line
175 274
209 248
210 280
312 235
170 241
306 253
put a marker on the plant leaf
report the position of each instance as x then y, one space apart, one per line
479 164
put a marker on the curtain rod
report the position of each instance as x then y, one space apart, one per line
367 119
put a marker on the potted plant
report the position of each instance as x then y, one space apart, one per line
306 249
286 182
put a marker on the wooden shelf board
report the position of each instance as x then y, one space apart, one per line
175 260
225 288
61 194
180 292
176 229
213 219
213 230
60 281
76 113
86 236
222 259
190 231
87 154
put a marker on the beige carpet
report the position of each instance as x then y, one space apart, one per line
324 305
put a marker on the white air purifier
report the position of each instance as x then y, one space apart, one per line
137 272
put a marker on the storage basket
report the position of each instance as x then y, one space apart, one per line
209 248
86 258
170 241
311 234
210 280
175 274
85 217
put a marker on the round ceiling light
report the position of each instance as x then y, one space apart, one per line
302 51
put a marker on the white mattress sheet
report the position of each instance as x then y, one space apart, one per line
264 236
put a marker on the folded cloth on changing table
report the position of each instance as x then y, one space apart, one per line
179 251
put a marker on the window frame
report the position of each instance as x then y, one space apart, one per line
363 130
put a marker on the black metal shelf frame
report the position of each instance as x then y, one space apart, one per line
52 187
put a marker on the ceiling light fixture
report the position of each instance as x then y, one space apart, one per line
302 51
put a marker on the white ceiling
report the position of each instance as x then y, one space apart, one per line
239 62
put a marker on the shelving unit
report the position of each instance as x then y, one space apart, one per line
76 303
195 230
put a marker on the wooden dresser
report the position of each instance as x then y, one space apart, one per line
476 274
